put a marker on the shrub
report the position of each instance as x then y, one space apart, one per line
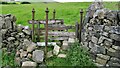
3 3
25 3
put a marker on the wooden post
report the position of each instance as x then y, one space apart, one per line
53 19
38 28
46 33
33 16
80 26
54 14
77 26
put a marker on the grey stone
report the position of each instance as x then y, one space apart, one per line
29 55
94 39
49 54
11 39
23 54
0 38
100 13
116 47
38 56
26 32
29 64
4 31
56 50
101 61
108 43
115 37
106 57
24 59
71 40
99 27
113 64
91 45
113 53
8 22
115 60
62 56
31 47
98 49
107 28
105 34
65 45
26 42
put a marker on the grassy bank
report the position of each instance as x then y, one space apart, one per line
67 11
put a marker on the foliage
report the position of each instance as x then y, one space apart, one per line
8 59
76 56
25 3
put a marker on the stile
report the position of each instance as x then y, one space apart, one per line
33 16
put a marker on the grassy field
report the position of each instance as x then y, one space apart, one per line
67 11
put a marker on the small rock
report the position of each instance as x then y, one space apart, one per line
108 43
49 54
56 50
115 37
26 32
106 57
29 64
61 56
65 45
23 54
116 47
38 56
71 40
91 45
113 64
11 39
94 39
114 60
101 61
31 47
29 55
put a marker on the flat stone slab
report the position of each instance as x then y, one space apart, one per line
49 43
29 64
38 56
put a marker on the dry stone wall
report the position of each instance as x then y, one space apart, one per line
101 36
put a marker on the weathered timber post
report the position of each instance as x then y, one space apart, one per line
54 14
80 26
77 27
33 16
38 28
53 19
46 33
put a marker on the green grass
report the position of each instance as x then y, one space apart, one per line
76 56
67 11
0 57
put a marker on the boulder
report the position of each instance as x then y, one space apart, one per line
38 56
56 50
